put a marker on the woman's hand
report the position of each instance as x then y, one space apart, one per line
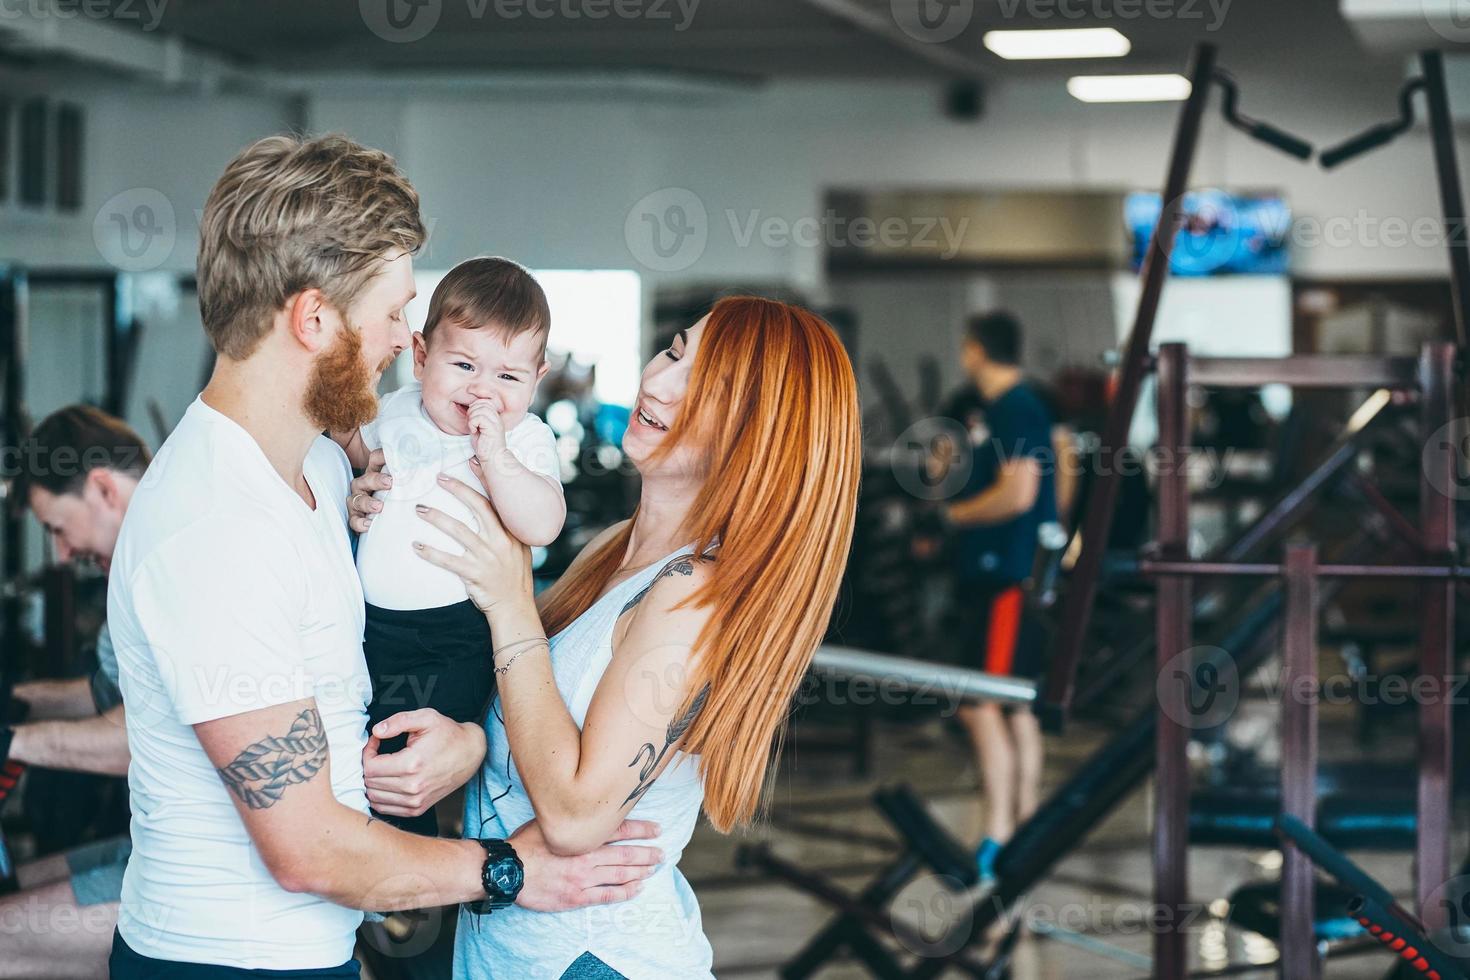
440 757
495 566
361 506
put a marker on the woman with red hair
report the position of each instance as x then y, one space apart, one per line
655 675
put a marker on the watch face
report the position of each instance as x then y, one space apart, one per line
507 875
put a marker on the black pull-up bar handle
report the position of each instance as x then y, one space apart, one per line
1376 136
1265 132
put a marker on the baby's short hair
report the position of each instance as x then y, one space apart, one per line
492 292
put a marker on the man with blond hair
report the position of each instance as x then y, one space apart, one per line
237 615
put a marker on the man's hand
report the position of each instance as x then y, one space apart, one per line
361 505
488 429
440 757
612 873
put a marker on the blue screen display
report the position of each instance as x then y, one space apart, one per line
1221 234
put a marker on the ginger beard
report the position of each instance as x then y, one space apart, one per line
341 394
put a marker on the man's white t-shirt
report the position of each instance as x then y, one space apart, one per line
415 452
229 594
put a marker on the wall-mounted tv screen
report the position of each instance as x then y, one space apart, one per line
1222 233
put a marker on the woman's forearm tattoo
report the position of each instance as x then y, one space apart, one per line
259 775
650 758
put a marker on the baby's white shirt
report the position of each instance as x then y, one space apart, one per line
415 452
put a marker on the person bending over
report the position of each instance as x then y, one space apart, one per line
77 473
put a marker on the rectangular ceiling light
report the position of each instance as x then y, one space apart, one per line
1128 88
1087 42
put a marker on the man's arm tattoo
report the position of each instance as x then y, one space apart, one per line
259 775
650 758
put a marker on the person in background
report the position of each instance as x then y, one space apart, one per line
77 474
998 517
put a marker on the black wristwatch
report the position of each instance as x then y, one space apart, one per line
502 877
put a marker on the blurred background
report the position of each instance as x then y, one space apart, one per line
897 165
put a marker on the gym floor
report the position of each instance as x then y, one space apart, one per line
1100 893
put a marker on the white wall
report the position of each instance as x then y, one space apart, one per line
553 181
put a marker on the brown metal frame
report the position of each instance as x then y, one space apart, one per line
1097 523
1434 380
1437 561
1055 702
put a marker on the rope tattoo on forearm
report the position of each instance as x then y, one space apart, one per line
259 775
650 758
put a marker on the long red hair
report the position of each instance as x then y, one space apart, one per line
773 400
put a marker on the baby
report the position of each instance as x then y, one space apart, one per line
477 363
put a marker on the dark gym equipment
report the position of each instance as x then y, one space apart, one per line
1120 765
925 844
1373 906
1257 907
1435 539
1057 694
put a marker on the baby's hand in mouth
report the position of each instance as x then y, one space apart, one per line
487 428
